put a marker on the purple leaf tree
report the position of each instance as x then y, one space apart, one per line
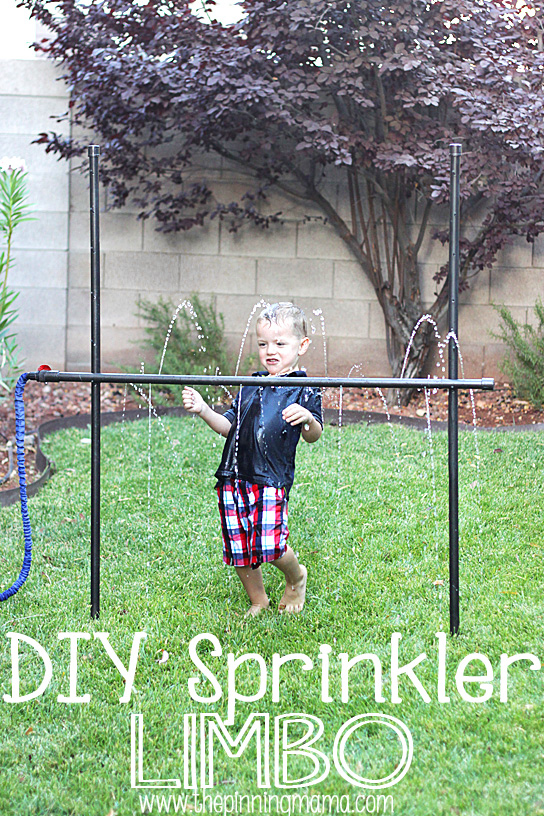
302 89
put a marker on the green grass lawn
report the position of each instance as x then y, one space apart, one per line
369 518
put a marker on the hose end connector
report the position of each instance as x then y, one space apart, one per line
45 374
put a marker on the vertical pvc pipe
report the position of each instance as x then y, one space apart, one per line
453 416
94 153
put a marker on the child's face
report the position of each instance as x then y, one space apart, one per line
279 347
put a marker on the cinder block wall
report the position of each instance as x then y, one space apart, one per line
29 96
302 260
299 261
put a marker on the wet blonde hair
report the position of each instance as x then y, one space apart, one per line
286 312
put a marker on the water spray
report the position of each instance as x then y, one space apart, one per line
95 377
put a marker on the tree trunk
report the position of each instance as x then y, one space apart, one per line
407 352
395 279
407 348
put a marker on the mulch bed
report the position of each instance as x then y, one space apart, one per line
493 409
43 402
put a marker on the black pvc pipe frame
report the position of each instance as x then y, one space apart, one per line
453 421
94 152
452 384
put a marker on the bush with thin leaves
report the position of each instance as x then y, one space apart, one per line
524 365
196 342
13 211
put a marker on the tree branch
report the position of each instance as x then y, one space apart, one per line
423 226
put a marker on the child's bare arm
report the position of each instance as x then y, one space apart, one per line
195 404
296 414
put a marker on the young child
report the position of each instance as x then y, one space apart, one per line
257 469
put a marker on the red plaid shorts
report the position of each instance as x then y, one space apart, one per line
253 523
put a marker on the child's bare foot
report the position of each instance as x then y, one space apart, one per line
295 594
256 609
253 585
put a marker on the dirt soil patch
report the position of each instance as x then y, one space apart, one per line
498 408
493 409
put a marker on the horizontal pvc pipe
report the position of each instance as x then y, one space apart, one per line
485 384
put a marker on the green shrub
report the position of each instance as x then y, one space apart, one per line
10 364
524 366
196 343
13 211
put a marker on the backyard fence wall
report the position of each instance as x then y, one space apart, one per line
29 95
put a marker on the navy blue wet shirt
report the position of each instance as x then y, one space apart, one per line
263 451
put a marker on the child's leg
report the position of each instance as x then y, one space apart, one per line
252 579
295 582
235 504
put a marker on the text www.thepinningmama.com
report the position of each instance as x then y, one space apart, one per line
289 804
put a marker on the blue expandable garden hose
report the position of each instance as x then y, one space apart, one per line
20 440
